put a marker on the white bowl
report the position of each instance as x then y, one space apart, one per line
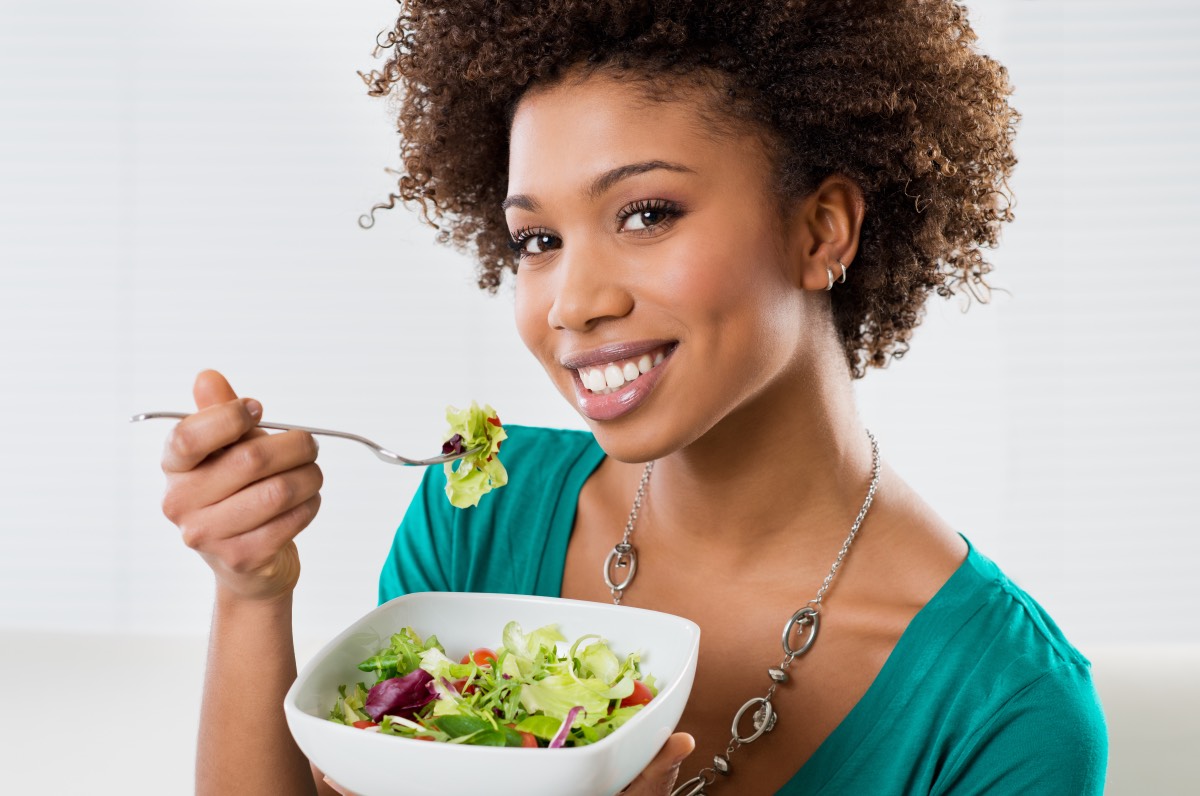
370 764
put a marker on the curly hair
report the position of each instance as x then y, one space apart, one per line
892 94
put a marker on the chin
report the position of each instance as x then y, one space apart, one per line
636 440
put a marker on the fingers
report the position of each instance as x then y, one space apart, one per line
209 430
337 788
256 552
658 778
253 506
228 471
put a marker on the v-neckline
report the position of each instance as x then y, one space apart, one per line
909 654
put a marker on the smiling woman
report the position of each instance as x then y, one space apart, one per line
719 215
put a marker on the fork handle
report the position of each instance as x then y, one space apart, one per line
280 426
381 452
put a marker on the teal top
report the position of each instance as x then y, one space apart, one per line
982 693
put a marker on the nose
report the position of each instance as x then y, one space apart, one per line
588 289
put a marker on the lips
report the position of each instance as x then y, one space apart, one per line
613 352
613 380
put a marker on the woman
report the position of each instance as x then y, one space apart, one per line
719 215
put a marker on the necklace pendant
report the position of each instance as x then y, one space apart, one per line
622 556
763 720
806 621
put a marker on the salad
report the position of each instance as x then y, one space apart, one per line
522 694
471 477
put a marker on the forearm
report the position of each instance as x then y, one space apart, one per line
244 744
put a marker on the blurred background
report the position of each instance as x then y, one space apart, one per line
179 189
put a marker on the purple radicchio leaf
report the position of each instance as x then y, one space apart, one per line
560 737
453 446
400 696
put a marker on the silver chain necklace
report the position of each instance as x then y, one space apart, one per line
804 621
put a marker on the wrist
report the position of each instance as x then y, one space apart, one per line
230 602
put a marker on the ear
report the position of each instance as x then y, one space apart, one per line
824 228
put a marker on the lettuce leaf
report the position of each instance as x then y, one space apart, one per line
558 694
544 727
349 708
470 478
402 656
435 662
400 696
598 659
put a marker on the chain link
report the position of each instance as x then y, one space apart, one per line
764 718
624 555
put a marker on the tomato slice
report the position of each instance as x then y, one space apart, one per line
423 738
641 695
482 657
362 725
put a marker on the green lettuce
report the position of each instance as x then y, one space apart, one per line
349 707
569 698
471 477
402 655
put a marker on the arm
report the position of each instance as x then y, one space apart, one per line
244 744
239 497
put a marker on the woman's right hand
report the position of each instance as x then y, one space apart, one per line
239 495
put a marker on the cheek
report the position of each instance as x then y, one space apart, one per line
736 283
529 312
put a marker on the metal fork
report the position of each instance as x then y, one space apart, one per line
383 453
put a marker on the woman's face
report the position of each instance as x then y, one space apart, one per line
656 284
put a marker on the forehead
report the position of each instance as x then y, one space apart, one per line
576 128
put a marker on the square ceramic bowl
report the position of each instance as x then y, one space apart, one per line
370 764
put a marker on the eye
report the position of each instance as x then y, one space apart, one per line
526 242
648 214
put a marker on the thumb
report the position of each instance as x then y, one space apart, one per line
658 778
212 388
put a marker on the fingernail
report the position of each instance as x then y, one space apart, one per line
254 408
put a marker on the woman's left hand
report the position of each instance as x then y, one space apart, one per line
338 788
658 778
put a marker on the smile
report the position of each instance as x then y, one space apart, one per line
615 379
607 378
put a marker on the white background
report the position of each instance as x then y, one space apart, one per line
179 185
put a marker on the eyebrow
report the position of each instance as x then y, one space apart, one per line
601 184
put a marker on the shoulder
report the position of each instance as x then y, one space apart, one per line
504 544
1024 629
538 447
1031 719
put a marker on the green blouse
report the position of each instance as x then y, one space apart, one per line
982 694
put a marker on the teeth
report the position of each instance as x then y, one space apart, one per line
608 378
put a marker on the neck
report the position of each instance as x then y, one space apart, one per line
792 468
